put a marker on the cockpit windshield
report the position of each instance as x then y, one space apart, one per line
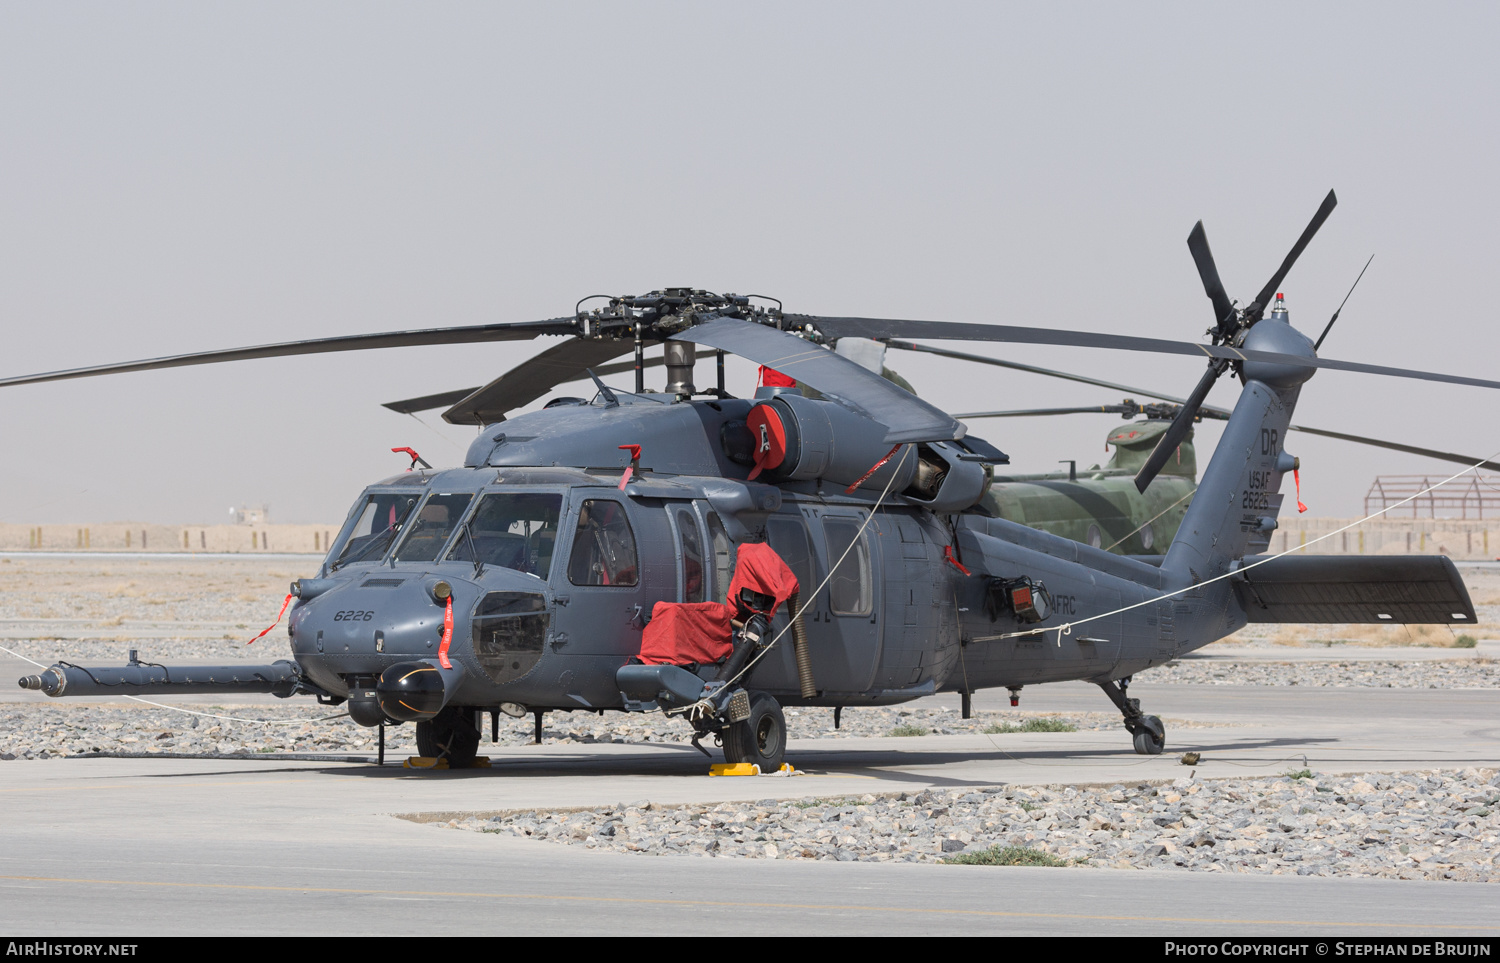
514 530
434 523
376 523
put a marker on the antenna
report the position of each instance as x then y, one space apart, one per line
1319 343
610 400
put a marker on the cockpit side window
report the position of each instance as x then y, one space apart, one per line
514 530
603 546
723 550
434 522
693 575
374 527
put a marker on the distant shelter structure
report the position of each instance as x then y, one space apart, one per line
1471 495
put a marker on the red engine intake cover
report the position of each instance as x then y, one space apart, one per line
770 438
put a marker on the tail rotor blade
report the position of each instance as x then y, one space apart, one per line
1209 272
1264 297
1179 428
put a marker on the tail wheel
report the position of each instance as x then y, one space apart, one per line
760 739
452 735
1151 736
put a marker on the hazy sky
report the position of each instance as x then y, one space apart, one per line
176 177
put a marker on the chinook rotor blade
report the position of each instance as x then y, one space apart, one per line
1128 408
1218 414
906 417
447 399
887 328
1036 412
522 385
469 334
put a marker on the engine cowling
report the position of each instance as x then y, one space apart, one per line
799 439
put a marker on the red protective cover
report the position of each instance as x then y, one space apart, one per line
771 378
760 569
683 633
770 438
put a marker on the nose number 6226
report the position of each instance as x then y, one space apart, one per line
353 616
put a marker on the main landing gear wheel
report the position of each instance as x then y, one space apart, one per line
452 735
1151 736
760 739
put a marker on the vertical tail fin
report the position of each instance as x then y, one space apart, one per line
1234 511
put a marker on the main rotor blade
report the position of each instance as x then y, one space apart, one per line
443 399
469 334
1264 297
1017 366
1454 457
1223 308
1178 430
888 328
620 367
524 384
907 417
446 399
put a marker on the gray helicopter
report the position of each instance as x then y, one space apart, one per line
719 558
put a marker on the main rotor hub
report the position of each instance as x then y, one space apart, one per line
669 311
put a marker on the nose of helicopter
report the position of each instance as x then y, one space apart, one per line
494 627
375 615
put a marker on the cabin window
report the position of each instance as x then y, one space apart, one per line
375 524
603 546
788 537
851 589
693 574
514 530
434 522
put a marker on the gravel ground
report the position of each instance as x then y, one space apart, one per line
1424 825
1459 674
115 652
237 591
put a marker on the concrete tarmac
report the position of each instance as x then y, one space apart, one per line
270 846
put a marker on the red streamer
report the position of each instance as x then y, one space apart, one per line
1297 480
447 635
866 476
287 601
